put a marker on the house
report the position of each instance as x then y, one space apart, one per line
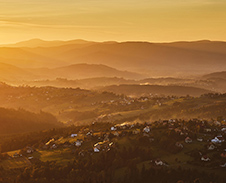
29 150
113 128
78 143
97 146
111 144
223 129
159 162
95 149
123 126
199 139
147 129
50 141
178 144
54 146
101 146
211 146
188 140
89 134
205 158
74 135
223 165
218 139
223 154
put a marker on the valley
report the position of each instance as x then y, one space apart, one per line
117 111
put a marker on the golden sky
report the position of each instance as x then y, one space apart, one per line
119 20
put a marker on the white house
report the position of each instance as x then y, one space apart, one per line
188 140
54 146
29 150
78 143
223 165
205 158
147 129
159 162
95 149
74 135
113 128
199 139
218 139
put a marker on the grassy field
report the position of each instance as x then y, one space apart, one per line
61 156
15 163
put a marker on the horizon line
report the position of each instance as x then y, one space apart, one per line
105 41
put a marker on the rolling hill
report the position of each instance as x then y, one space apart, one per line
138 90
218 75
26 59
81 71
10 72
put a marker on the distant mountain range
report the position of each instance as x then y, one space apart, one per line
153 59
42 43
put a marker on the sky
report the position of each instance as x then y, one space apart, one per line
113 20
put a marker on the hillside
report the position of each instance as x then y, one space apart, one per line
92 70
81 71
61 102
138 90
202 45
215 75
17 75
10 72
20 121
26 59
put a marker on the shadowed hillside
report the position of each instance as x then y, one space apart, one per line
20 121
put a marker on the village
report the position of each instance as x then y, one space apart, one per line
195 143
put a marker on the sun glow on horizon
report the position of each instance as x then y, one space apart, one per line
99 20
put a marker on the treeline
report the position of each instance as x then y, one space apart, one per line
20 121
111 167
